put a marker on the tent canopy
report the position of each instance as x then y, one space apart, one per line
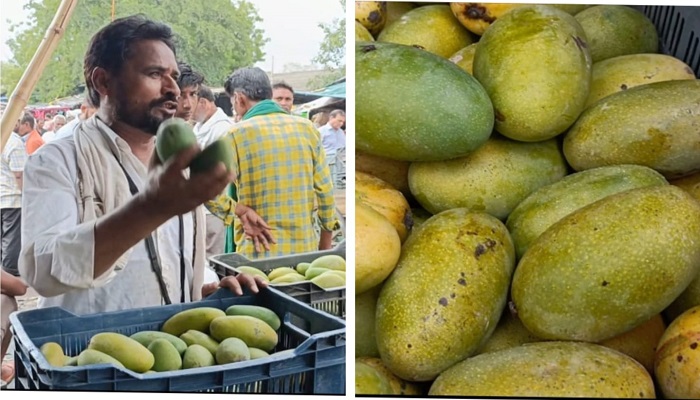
335 90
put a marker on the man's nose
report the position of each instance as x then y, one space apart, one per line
170 86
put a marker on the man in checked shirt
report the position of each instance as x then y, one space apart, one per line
281 170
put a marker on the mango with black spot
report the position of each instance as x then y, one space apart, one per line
446 295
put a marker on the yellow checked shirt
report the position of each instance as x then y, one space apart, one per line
281 169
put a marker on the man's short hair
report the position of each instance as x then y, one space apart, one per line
28 118
252 82
335 113
188 77
205 93
111 46
282 85
58 117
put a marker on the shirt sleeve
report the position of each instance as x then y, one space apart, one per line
224 205
324 190
57 251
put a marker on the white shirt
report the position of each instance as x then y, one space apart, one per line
66 130
13 158
48 136
59 251
333 139
213 129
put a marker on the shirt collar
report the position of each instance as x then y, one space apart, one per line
117 144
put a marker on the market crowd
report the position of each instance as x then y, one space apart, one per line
94 222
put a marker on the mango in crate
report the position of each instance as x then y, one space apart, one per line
302 267
147 337
53 352
91 356
328 280
288 278
547 369
677 362
253 271
132 354
192 337
330 261
280 271
167 357
257 353
232 350
197 318
262 313
197 356
253 331
579 281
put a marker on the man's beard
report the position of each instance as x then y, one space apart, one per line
141 118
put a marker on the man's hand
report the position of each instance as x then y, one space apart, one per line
234 284
255 228
170 193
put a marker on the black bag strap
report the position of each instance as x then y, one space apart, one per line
153 254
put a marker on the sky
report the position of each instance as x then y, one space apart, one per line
293 30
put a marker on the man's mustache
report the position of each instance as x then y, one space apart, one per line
162 101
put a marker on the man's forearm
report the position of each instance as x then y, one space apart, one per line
122 229
326 240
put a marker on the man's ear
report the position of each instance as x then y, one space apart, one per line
100 80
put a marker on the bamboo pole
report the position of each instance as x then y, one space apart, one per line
20 96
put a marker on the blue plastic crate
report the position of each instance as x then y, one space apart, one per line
331 301
313 364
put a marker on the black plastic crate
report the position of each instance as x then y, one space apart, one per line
314 362
679 32
331 300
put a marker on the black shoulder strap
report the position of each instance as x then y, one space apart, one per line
151 248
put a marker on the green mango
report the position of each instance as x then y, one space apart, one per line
433 28
653 125
547 205
412 105
534 63
219 151
173 136
614 30
547 369
493 179
620 73
609 266
446 295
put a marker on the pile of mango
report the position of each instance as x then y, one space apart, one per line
527 203
193 338
327 272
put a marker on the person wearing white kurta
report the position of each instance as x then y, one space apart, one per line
59 261
83 239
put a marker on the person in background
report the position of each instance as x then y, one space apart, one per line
33 140
87 110
188 82
109 229
281 174
212 124
283 94
59 121
12 162
40 126
333 139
